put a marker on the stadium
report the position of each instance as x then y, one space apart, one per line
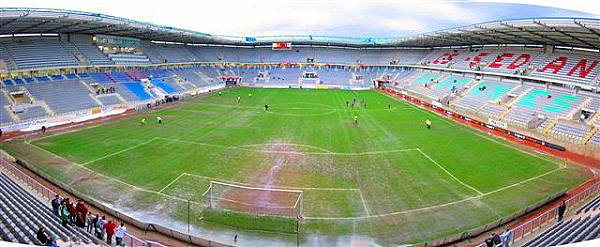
460 136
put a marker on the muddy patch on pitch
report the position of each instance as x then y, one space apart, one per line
280 156
84 179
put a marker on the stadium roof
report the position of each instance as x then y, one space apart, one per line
569 32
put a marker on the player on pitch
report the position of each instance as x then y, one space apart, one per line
428 123
355 119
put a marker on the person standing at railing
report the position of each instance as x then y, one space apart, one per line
55 204
110 231
489 242
120 234
80 220
100 225
89 221
64 213
496 239
506 237
561 211
95 224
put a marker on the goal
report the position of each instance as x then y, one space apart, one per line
254 200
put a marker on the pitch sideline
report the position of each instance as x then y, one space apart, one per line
316 218
476 131
449 173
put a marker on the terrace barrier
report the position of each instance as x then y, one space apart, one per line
521 231
532 225
48 194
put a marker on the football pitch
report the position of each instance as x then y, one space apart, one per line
386 177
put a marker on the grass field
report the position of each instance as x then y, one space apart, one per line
389 178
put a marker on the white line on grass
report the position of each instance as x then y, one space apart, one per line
476 132
121 151
275 106
289 144
447 172
364 203
171 183
110 177
69 128
433 206
270 187
291 152
305 188
525 181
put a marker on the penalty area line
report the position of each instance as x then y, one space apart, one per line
121 151
171 183
269 187
474 131
362 199
435 206
107 177
447 172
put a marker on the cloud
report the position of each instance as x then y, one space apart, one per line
586 6
402 24
375 18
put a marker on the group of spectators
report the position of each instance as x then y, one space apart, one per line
499 240
505 238
78 215
100 91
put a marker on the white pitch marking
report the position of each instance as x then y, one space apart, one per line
111 178
447 172
287 144
364 203
476 132
525 181
432 206
292 152
121 151
171 183
307 188
270 187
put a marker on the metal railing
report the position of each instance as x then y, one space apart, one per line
129 240
550 215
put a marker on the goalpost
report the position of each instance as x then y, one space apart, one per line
254 201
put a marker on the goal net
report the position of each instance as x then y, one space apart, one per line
253 200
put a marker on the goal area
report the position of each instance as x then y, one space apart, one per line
264 201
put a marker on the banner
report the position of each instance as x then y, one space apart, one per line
498 123
35 124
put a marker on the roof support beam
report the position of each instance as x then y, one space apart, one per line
89 29
123 30
8 22
517 37
442 38
54 29
510 34
43 22
534 33
466 40
491 37
587 28
565 34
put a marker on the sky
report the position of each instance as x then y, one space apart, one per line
349 18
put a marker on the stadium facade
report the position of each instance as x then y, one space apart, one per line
536 80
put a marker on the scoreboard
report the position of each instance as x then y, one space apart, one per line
281 46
